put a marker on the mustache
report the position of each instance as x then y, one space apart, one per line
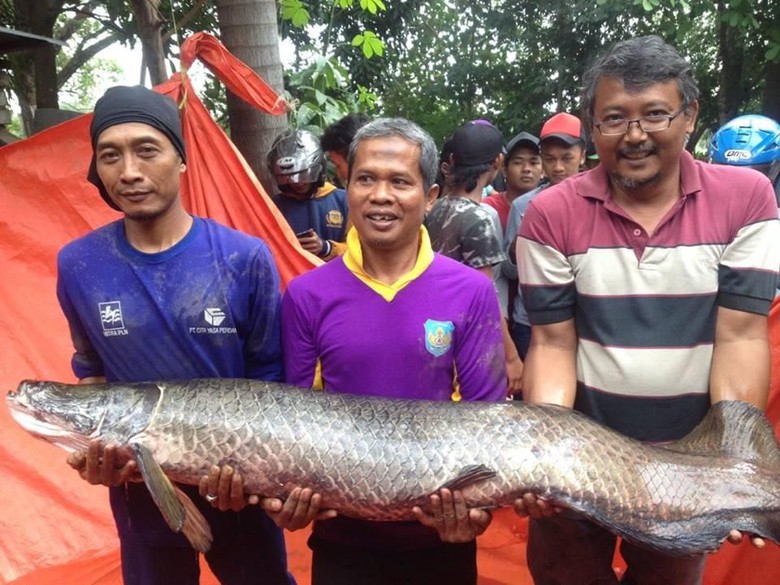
635 150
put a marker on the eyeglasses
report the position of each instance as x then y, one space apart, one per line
648 124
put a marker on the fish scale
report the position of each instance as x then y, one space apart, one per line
375 458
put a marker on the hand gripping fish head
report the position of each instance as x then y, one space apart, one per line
70 416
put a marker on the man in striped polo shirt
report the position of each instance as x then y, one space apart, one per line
647 281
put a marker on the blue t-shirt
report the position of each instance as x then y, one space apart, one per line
206 307
326 213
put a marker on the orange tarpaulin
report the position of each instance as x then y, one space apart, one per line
56 529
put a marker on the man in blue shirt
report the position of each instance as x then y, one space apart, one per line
158 295
315 209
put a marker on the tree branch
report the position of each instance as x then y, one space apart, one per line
185 20
84 55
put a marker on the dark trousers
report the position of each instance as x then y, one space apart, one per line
248 547
566 549
338 564
521 335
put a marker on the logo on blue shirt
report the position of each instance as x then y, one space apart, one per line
111 318
214 316
438 336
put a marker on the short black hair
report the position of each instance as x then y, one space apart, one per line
407 130
338 136
466 177
639 63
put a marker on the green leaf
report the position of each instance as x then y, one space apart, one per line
301 18
357 40
295 12
370 43
372 6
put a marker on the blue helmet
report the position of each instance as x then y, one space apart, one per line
749 141
746 141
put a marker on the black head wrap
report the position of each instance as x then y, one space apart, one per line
122 104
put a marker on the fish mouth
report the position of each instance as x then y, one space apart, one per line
35 424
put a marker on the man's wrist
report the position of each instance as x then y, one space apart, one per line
326 248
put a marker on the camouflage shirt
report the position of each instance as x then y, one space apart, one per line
461 229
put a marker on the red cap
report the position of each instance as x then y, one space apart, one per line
564 127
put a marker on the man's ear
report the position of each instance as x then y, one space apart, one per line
431 197
691 112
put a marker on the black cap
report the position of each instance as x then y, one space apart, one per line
123 104
476 143
523 139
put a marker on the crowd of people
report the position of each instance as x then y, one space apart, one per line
640 282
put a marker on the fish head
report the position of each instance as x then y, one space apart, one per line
71 415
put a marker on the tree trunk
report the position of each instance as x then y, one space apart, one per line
150 30
249 30
771 106
731 50
38 88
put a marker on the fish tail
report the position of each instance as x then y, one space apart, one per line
736 429
765 525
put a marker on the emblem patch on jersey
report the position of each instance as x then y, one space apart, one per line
111 318
334 219
214 316
438 336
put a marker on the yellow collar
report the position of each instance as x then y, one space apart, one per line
353 259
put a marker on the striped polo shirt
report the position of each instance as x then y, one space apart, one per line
645 305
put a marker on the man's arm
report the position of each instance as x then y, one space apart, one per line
550 374
262 339
740 359
741 368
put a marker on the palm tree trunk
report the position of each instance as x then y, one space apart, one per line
249 30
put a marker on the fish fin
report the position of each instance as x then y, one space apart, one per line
469 475
733 428
196 528
178 510
160 487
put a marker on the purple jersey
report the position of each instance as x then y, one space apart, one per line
435 334
438 338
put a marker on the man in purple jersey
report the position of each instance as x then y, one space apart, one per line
160 294
647 282
391 318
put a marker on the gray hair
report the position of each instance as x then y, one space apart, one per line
639 63
386 127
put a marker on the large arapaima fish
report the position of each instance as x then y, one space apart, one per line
376 458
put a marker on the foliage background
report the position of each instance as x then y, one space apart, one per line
438 62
